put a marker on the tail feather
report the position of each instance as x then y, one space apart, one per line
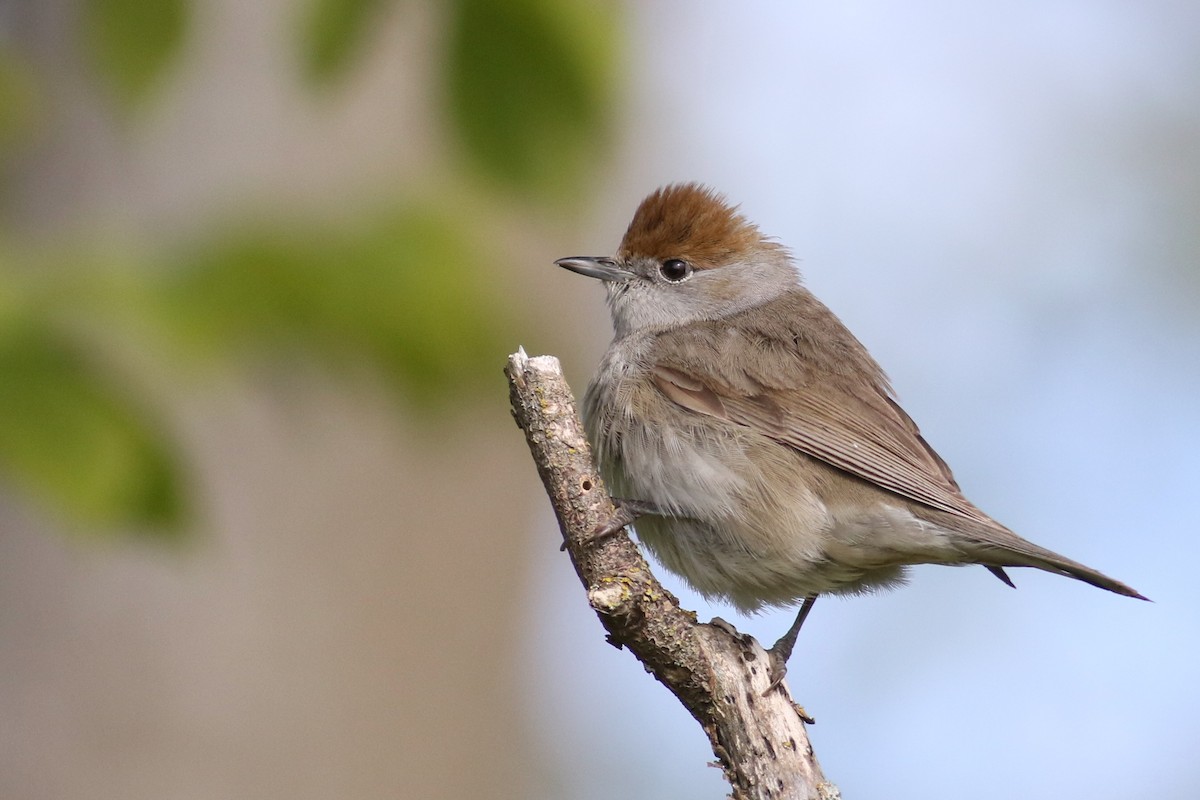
1001 574
1001 548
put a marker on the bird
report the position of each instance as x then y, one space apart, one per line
750 440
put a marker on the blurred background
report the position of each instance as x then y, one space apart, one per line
267 529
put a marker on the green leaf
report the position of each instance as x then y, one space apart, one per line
18 102
405 293
334 33
71 437
530 84
133 41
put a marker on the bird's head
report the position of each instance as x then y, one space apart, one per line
687 256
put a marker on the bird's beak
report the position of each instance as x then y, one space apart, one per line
602 267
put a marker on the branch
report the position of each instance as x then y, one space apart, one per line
718 674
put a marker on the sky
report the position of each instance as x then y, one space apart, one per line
1001 202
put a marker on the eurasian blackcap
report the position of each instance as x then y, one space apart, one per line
753 439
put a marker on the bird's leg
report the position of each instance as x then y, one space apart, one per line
627 513
781 651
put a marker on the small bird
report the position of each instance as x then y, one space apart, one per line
752 442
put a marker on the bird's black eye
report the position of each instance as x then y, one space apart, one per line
675 270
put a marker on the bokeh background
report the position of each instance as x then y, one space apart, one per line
266 527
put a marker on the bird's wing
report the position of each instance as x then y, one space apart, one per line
841 413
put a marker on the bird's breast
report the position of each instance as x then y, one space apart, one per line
648 448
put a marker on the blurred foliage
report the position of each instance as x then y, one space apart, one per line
405 292
18 107
333 33
530 88
71 433
402 292
133 41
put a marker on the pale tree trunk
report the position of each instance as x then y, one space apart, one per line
719 675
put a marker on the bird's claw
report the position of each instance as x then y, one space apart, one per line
627 512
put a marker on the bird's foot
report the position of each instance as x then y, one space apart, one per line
627 512
781 651
777 670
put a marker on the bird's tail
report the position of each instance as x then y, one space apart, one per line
1000 547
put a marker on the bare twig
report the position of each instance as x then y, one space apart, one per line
718 674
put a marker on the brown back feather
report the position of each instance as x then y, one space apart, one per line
801 378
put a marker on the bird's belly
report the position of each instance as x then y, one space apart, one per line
741 519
